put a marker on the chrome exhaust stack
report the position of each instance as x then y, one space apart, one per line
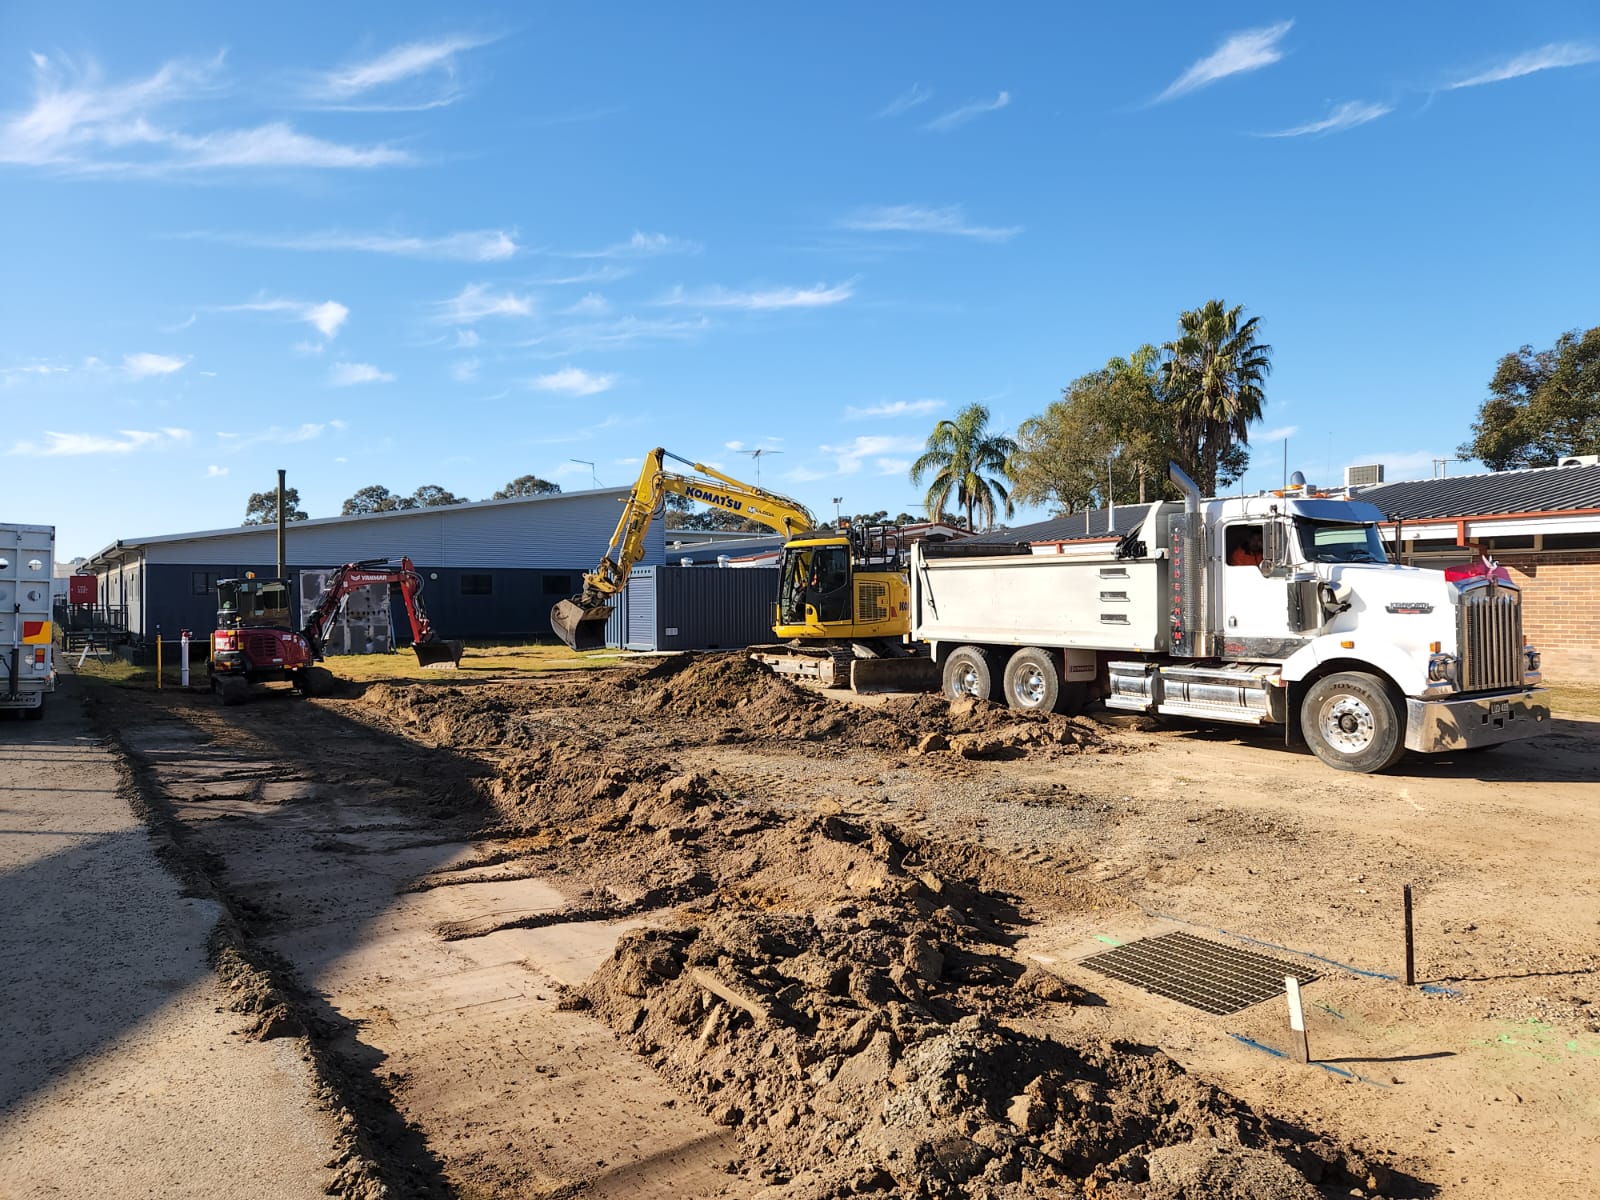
1188 552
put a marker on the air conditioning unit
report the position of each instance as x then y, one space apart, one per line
1581 460
1364 476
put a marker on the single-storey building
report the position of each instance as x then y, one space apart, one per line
492 568
1542 524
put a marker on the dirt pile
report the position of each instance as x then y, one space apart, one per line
878 1039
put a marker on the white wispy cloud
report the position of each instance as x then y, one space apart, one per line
478 245
78 123
348 374
215 472
864 446
278 435
1545 58
476 301
910 218
1344 116
1278 434
893 466
574 381
974 108
466 339
593 304
145 365
640 245
804 475
589 336
914 95
406 78
609 273
895 408
325 316
124 441
819 295
1248 50
465 371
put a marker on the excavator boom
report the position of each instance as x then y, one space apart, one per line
581 621
429 648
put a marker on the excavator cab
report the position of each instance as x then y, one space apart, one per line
252 603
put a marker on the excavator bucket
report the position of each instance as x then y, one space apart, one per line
581 626
440 653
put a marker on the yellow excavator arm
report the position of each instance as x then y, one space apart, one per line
580 622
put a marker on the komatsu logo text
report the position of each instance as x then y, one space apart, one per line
717 498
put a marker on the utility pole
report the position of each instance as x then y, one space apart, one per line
283 565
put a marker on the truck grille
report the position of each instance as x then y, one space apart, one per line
1489 633
872 602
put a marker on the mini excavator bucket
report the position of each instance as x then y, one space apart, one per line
581 626
439 653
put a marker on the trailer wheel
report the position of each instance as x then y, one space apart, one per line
968 674
1032 683
1352 723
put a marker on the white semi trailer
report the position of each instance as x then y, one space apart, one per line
1363 658
27 665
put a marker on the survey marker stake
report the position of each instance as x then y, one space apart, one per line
1297 1020
1411 961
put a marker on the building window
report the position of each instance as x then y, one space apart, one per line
560 585
1572 541
477 585
203 583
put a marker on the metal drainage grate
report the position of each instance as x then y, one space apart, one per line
1206 975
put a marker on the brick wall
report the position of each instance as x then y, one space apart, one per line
1561 610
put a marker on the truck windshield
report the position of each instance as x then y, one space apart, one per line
1333 542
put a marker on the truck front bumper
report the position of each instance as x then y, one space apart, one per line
1466 722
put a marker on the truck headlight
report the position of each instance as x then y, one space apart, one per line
1441 668
1530 670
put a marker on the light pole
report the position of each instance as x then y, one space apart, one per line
837 500
590 465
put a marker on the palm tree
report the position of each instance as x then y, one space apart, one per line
1212 375
968 461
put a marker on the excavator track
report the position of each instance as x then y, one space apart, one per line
847 665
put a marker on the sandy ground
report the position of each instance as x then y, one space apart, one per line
120 1068
441 868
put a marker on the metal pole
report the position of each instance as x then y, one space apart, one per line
183 658
1411 961
283 569
158 658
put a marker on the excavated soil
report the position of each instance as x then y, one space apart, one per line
840 993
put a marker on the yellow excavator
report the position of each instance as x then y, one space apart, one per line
843 601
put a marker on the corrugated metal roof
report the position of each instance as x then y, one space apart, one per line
1540 490
1079 527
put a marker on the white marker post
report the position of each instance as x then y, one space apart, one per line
1297 1019
183 658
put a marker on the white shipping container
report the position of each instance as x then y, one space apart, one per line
27 662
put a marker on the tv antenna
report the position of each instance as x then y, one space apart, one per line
757 455
585 462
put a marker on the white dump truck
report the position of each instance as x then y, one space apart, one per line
27 663
1276 609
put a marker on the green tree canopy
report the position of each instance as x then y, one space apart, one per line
262 507
431 495
527 485
1108 422
1212 375
1542 406
375 498
968 461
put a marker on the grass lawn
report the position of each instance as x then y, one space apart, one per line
479 660
1574 700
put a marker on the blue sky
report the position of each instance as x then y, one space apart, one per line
409 244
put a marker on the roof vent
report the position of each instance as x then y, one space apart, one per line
1581 460
1363 476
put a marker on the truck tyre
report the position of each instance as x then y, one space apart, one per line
1032 683
968 674
1351 722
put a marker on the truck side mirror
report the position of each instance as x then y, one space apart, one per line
1274 547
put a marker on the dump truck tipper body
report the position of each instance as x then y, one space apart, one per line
1315 630
27 661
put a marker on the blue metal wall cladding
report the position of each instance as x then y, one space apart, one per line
693 608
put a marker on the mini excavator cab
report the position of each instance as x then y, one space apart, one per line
252 603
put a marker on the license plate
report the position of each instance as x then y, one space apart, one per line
1499 708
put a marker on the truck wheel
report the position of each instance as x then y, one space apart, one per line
1032 683
968 674
1351 722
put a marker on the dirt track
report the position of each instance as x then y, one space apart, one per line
849 938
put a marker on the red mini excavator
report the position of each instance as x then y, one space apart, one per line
253 641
